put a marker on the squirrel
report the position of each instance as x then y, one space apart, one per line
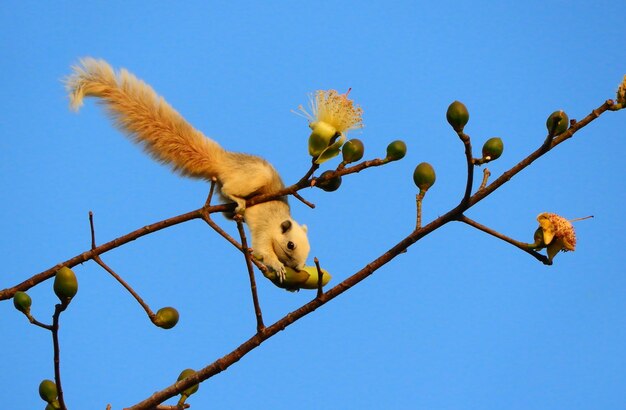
147 119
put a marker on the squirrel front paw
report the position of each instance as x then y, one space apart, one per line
273 264
277 267
280 271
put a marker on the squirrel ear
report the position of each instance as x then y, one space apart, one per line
305 228
285 226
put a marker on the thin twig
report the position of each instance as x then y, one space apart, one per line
96 258
304 201
319 277
93 233
35 322
255 298
144 305
486 175
526 247
418 201
470 165
207 218
209 197
304 180
60 307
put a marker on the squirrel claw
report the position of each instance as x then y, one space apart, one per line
280 271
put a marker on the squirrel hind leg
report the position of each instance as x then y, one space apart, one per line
228 195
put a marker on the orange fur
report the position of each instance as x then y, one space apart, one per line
147 118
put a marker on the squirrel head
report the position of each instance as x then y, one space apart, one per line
292 246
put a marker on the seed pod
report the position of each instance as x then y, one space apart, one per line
424 176
183 375
311 282
493 148
562 122
65 284
457 115
353 150
48 391
305 278
22 302
328 185
166 317
396 150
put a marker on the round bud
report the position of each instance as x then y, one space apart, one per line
166 317
493 148
396 150
457 115
557 122
48 391
22 302
65 284
328 185
424 176
183 375
352 150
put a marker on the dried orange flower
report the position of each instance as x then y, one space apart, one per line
621 93
558 233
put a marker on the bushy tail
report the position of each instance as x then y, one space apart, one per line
147 118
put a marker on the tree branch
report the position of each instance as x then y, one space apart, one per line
526 247
454 214
246 252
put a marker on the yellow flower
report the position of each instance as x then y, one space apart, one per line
332 115
334 109
557 234
621 93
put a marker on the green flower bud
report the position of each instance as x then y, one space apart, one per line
183 375
65 284
166 317
328 185
457 115
396 150
22 302
353 150
48 391
424 176
493 148
321 137
561 120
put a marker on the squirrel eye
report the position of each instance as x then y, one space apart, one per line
291 246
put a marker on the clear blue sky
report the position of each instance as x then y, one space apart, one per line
461 321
